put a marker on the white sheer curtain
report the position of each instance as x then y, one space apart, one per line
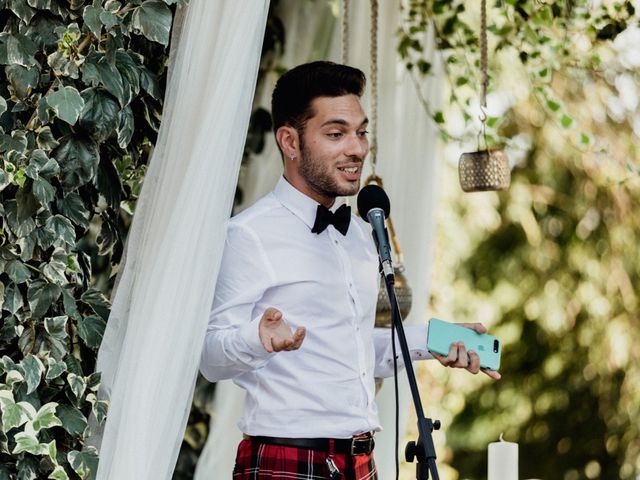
150 353
406 161
309 30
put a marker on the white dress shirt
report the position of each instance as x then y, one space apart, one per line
327 283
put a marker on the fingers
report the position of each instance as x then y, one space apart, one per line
456 358
459 358
476 327
491 373
298 337
474 364
266 343
272 315
280 344
290 343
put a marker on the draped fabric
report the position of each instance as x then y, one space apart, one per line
407 141
309 29
150 352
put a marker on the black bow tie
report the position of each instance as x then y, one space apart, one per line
339 219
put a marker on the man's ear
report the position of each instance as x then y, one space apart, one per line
288 141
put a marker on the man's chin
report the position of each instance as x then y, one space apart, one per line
351 189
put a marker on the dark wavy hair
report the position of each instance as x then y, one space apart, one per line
297 88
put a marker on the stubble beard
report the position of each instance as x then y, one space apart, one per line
319 176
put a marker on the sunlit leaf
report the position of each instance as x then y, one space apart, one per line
33 369
84 463
67 103
58 473
46 417
26 442
153 20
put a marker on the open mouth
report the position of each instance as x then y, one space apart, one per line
350 170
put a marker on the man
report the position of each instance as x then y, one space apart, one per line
293 316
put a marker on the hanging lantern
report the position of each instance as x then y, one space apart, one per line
485 169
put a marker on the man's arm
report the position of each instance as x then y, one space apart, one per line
458 356
416 341
239 338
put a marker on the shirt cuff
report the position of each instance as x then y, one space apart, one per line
249 332
417 342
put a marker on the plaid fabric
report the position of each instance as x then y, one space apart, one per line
256 461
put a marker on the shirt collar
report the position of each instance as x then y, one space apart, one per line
298 203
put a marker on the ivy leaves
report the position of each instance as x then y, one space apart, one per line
67 103
534 47
79 103
153 20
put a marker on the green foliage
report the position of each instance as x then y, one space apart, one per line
534 49
80 98
550 264
554 276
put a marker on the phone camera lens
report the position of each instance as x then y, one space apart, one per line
496 346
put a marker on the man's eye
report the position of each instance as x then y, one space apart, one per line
363 133
334 134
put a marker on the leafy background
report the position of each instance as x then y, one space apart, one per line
80 106
551 265
80 98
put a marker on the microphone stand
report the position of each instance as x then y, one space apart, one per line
423 450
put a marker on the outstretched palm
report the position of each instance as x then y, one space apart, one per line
276 335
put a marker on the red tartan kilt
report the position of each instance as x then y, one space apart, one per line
256 461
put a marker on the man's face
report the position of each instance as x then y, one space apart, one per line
333 148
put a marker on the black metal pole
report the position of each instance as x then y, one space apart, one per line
423 450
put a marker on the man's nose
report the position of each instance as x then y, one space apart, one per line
357 146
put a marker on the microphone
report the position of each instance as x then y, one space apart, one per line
374 207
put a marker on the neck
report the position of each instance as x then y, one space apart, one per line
323 200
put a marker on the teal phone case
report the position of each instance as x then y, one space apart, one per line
442 334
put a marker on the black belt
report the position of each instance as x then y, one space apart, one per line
361 445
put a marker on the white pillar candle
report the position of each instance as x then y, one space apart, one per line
503 460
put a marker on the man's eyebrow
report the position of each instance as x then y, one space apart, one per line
340 121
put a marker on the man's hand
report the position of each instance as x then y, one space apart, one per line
458 356
276 335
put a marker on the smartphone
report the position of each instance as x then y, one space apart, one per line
441 335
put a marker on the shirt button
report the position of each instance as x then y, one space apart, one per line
335 241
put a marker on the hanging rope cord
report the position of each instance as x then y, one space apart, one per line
373 49
483 54
345 32
484 83
373 75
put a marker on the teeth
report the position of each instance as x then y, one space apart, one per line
350 170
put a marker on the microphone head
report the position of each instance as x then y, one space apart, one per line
372 196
